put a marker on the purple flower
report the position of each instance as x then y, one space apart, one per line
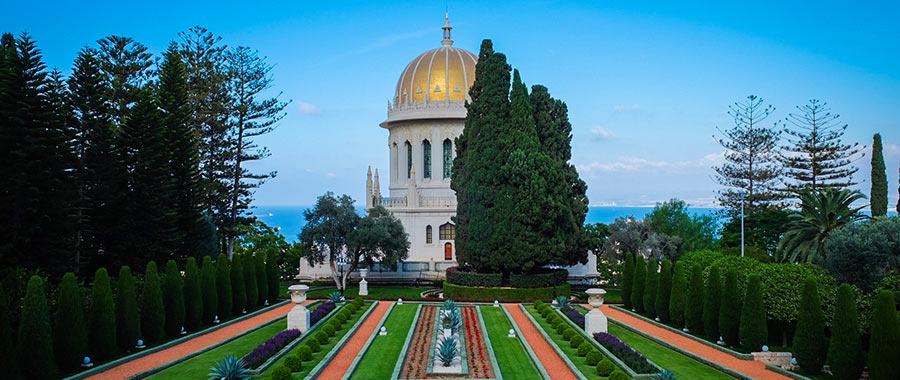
632 358
321 312
264 351
575 316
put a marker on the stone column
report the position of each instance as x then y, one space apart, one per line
363 284
298 317
595 321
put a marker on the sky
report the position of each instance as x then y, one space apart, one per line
647 83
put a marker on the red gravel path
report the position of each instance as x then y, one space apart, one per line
555 366
752 368
159 358
341 362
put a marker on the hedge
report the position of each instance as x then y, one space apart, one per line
471 293
553 277
456 276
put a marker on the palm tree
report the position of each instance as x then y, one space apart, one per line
821 213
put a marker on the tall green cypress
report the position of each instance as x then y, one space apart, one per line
35 355
639 281
844 348
173 299
223 285
678 297
153 314
809 339
651 286
693 311
730 310
627 280
878 197
753 331
238 287
193 296
128 317
885 333
102 318
272 276
251 286
208 288
69 328
664 291
712 298
262 283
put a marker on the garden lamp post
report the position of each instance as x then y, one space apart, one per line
743 196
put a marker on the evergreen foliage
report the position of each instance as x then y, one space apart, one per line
7 350
627 282
822 212
193 296
730 310
712 298
153 313
173 299
640 281
251 286
664 291
272 276
223 286
238 287
693 311
128 317
209 290
35 354
678 297
878 196
845 357
102 318
753 329
69 328
262 282
810 346
651 286
885 333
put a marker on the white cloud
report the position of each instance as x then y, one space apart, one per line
308 108
601 133
638 164
633 107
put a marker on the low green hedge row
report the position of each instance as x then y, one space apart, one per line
553 277
458 277
473 293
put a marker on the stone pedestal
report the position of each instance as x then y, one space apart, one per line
781 359
298 317
363 284
595 321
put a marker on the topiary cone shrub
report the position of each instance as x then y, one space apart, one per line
693 310
193 296
844 349
69 328
730 311
639 280
678 296
223 286
652 284
809 339
262 283
128 317
272 276
885 333
711 299
153 317
664 291
754 330
251 287
627 280
238 287
102 318
35 356
173 299
209 290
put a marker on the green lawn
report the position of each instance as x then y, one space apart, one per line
683 366
587 370
511 356
379 361
392 293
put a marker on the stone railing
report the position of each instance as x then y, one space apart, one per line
393 201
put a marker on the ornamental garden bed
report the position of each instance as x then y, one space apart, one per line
422 347
485 294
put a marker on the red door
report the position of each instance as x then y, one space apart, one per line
448 251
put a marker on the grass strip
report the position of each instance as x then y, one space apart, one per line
580 363
512 359
386 293
683 366
385 349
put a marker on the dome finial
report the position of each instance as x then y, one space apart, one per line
447 41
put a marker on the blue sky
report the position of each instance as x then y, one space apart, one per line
647 84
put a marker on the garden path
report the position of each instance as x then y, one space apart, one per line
337 368
752 368
556 367
156 359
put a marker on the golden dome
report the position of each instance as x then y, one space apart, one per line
441 74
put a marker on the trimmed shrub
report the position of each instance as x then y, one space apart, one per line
539 305
693 310
238 287
754 331
844 350
605 367
272 276
304 353
193 296
883 347
35 356
552 277
809 339
593 357
712 297
568 334
627 280
469 293
293 363
251 286
313 345
639 282
576 341
322 337
210 292
102 318
730 311
664 291
262 282
652 284
463 278
224 293
153 317
69 328
678 296
562 326
584 348
618 375
173 299
545 312
128 317
281 373
329 329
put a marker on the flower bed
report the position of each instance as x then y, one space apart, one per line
624 352
478 358
574 316
262 352
321 312
416 363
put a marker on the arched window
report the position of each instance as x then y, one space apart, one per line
448 251
408 159
429 237
447 231
448 158
395 165
426 158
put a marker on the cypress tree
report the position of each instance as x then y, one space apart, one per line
730 310
223 285
7 335
651 287
272 275
664 292
102 318
885 333
712 298
128 318
678 297
153 314
754 331
35 343
173 299
809 338
627 280
209 290
878 197
693 312
193 296
251 286
262 283
844 349
640 281
69 328
239 301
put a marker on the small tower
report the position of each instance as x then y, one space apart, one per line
369 193
412 192
447 41
377 190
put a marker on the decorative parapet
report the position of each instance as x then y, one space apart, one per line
401 202
443 109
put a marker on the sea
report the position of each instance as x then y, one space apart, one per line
289 219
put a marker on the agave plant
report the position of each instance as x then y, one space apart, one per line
335 297
447 350
562 302
455 321
666 375
821 213
230 368
450 305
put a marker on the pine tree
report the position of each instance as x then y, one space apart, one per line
272 276
223 285
678 297
730 310
125 63
627 280
128 317
238 286
693 311
664 291
193 296
209 290
173 299
844 349
640 281
69 328
102 318
35 355
251 287
262 283
809 339
712 298
153 313
650 289
885 333
815 156
751 159
753 331
878 197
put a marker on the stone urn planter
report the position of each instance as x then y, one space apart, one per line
595 321
298 317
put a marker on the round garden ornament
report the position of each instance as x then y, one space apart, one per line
512 333
400 301
496 303
382 331
765 348
140 344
